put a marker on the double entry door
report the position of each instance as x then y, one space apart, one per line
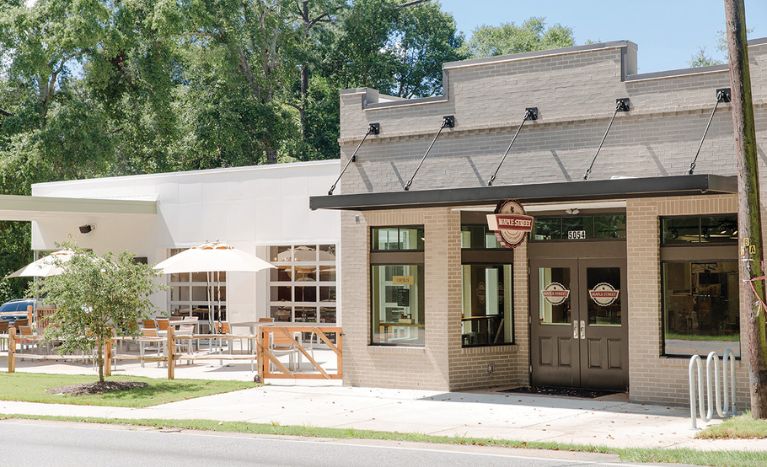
579 323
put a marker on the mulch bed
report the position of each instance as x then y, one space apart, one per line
97 388
557 391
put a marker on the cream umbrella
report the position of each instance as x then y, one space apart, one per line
50 265
45 266
213 257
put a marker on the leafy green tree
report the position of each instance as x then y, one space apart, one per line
701 59
95 296
510 38
14 254
396 47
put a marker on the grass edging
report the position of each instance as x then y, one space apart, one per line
740 427
35 387
648 455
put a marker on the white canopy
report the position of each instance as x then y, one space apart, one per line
45 266
212 257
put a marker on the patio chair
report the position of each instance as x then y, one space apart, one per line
27 337
150 340
185 330
4 327
163 324
225 329
281 344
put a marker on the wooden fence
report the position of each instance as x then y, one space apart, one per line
263 349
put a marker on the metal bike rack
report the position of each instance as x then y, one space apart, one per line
706 410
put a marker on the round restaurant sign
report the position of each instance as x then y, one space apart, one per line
555 293
604 294
510 223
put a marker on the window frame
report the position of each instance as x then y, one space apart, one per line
691 253
590 214
511 305
372 230
698 244
317 284
396 258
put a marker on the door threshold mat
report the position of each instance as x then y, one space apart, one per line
559 391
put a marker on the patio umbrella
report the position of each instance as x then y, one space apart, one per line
213 257
43 267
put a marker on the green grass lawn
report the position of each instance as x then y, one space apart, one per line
647 455
742 426
33 387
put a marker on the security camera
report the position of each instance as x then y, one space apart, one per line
87 228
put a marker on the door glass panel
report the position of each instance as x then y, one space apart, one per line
554 297
604 296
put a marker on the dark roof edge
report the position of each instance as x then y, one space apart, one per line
679 185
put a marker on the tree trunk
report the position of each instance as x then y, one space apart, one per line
100 359
304 85
304 94
752 314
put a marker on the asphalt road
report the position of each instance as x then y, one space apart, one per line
30 443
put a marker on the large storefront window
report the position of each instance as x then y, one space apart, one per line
487 311
302 286
487 291
191 294
700 285
397 291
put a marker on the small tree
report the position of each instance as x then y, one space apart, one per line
96 296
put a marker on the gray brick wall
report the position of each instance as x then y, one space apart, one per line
575 91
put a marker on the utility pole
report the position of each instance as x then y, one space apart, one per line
752 311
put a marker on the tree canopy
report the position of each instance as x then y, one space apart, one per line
510 38
118 87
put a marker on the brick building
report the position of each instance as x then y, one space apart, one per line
623 276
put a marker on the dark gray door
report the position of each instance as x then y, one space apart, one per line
603 324
579 323
554 314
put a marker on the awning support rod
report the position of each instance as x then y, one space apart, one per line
621 105
373 129
722 95
531 113
448 121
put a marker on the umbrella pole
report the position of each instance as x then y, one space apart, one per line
210 303
37 294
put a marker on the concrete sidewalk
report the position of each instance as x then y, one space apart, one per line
521 417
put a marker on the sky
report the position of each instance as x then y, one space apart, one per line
668 32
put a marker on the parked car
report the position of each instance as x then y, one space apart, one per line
15 309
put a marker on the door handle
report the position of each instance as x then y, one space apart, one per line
583 329
575 329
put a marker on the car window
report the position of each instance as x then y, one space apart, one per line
21 306
6 307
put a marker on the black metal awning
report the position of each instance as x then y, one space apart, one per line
678 185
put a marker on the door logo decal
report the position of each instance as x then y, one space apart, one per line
555 293
510 223
604 294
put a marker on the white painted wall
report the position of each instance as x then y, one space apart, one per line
248 207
